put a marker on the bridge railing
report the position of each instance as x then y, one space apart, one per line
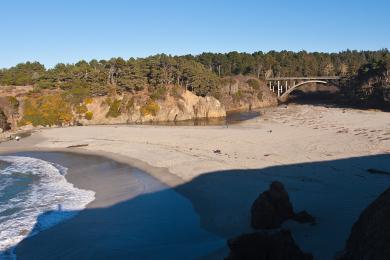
304 78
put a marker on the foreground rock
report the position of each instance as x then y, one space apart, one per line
370 235
273 207
266 245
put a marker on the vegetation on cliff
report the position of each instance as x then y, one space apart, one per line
61 94
47 111
201 74
371 85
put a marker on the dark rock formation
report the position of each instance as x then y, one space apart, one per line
266 245
303 217
273 207
370 235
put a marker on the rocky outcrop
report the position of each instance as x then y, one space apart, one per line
266 245
273 207
185 106
4 125
238 94
370 235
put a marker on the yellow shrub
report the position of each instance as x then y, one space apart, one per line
88 101
89 115
46 110
150 108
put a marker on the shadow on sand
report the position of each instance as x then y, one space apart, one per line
332 99
156 226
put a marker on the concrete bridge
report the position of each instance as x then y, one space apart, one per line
283 86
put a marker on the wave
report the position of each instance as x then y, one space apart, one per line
32 188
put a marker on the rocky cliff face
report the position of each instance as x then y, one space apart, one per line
138 109
244 92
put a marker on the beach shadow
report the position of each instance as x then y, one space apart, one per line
332 99
162 225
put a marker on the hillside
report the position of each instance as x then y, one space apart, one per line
173 88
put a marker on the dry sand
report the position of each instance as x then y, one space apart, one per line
321 154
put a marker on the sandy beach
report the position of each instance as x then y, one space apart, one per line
321 154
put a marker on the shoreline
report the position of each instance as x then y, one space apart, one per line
128 186
336 146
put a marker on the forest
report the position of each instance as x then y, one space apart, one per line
203 74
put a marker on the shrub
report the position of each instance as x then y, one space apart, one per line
14 103
76 95
89 115
176 91
88 101
150 108
44 84
81 109
115 108
253 83
46 110
158 93
260 96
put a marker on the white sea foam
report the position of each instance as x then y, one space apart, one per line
46 200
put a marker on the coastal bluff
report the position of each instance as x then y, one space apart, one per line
184 106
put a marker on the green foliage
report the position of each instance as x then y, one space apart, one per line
202 74
89 115
76 91
288 63
371 86
46 110
176 91
22 74
115 108
158 93
254 84
45 84
150 108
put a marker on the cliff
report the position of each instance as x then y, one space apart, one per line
52 108
245 92
138 109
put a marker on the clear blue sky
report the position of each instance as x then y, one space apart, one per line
71 30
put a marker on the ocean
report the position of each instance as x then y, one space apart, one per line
34 195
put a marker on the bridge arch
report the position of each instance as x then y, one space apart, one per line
285 94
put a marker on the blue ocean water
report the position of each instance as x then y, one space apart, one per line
30 187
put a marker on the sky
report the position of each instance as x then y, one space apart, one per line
71 30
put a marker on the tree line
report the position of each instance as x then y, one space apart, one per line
201 73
